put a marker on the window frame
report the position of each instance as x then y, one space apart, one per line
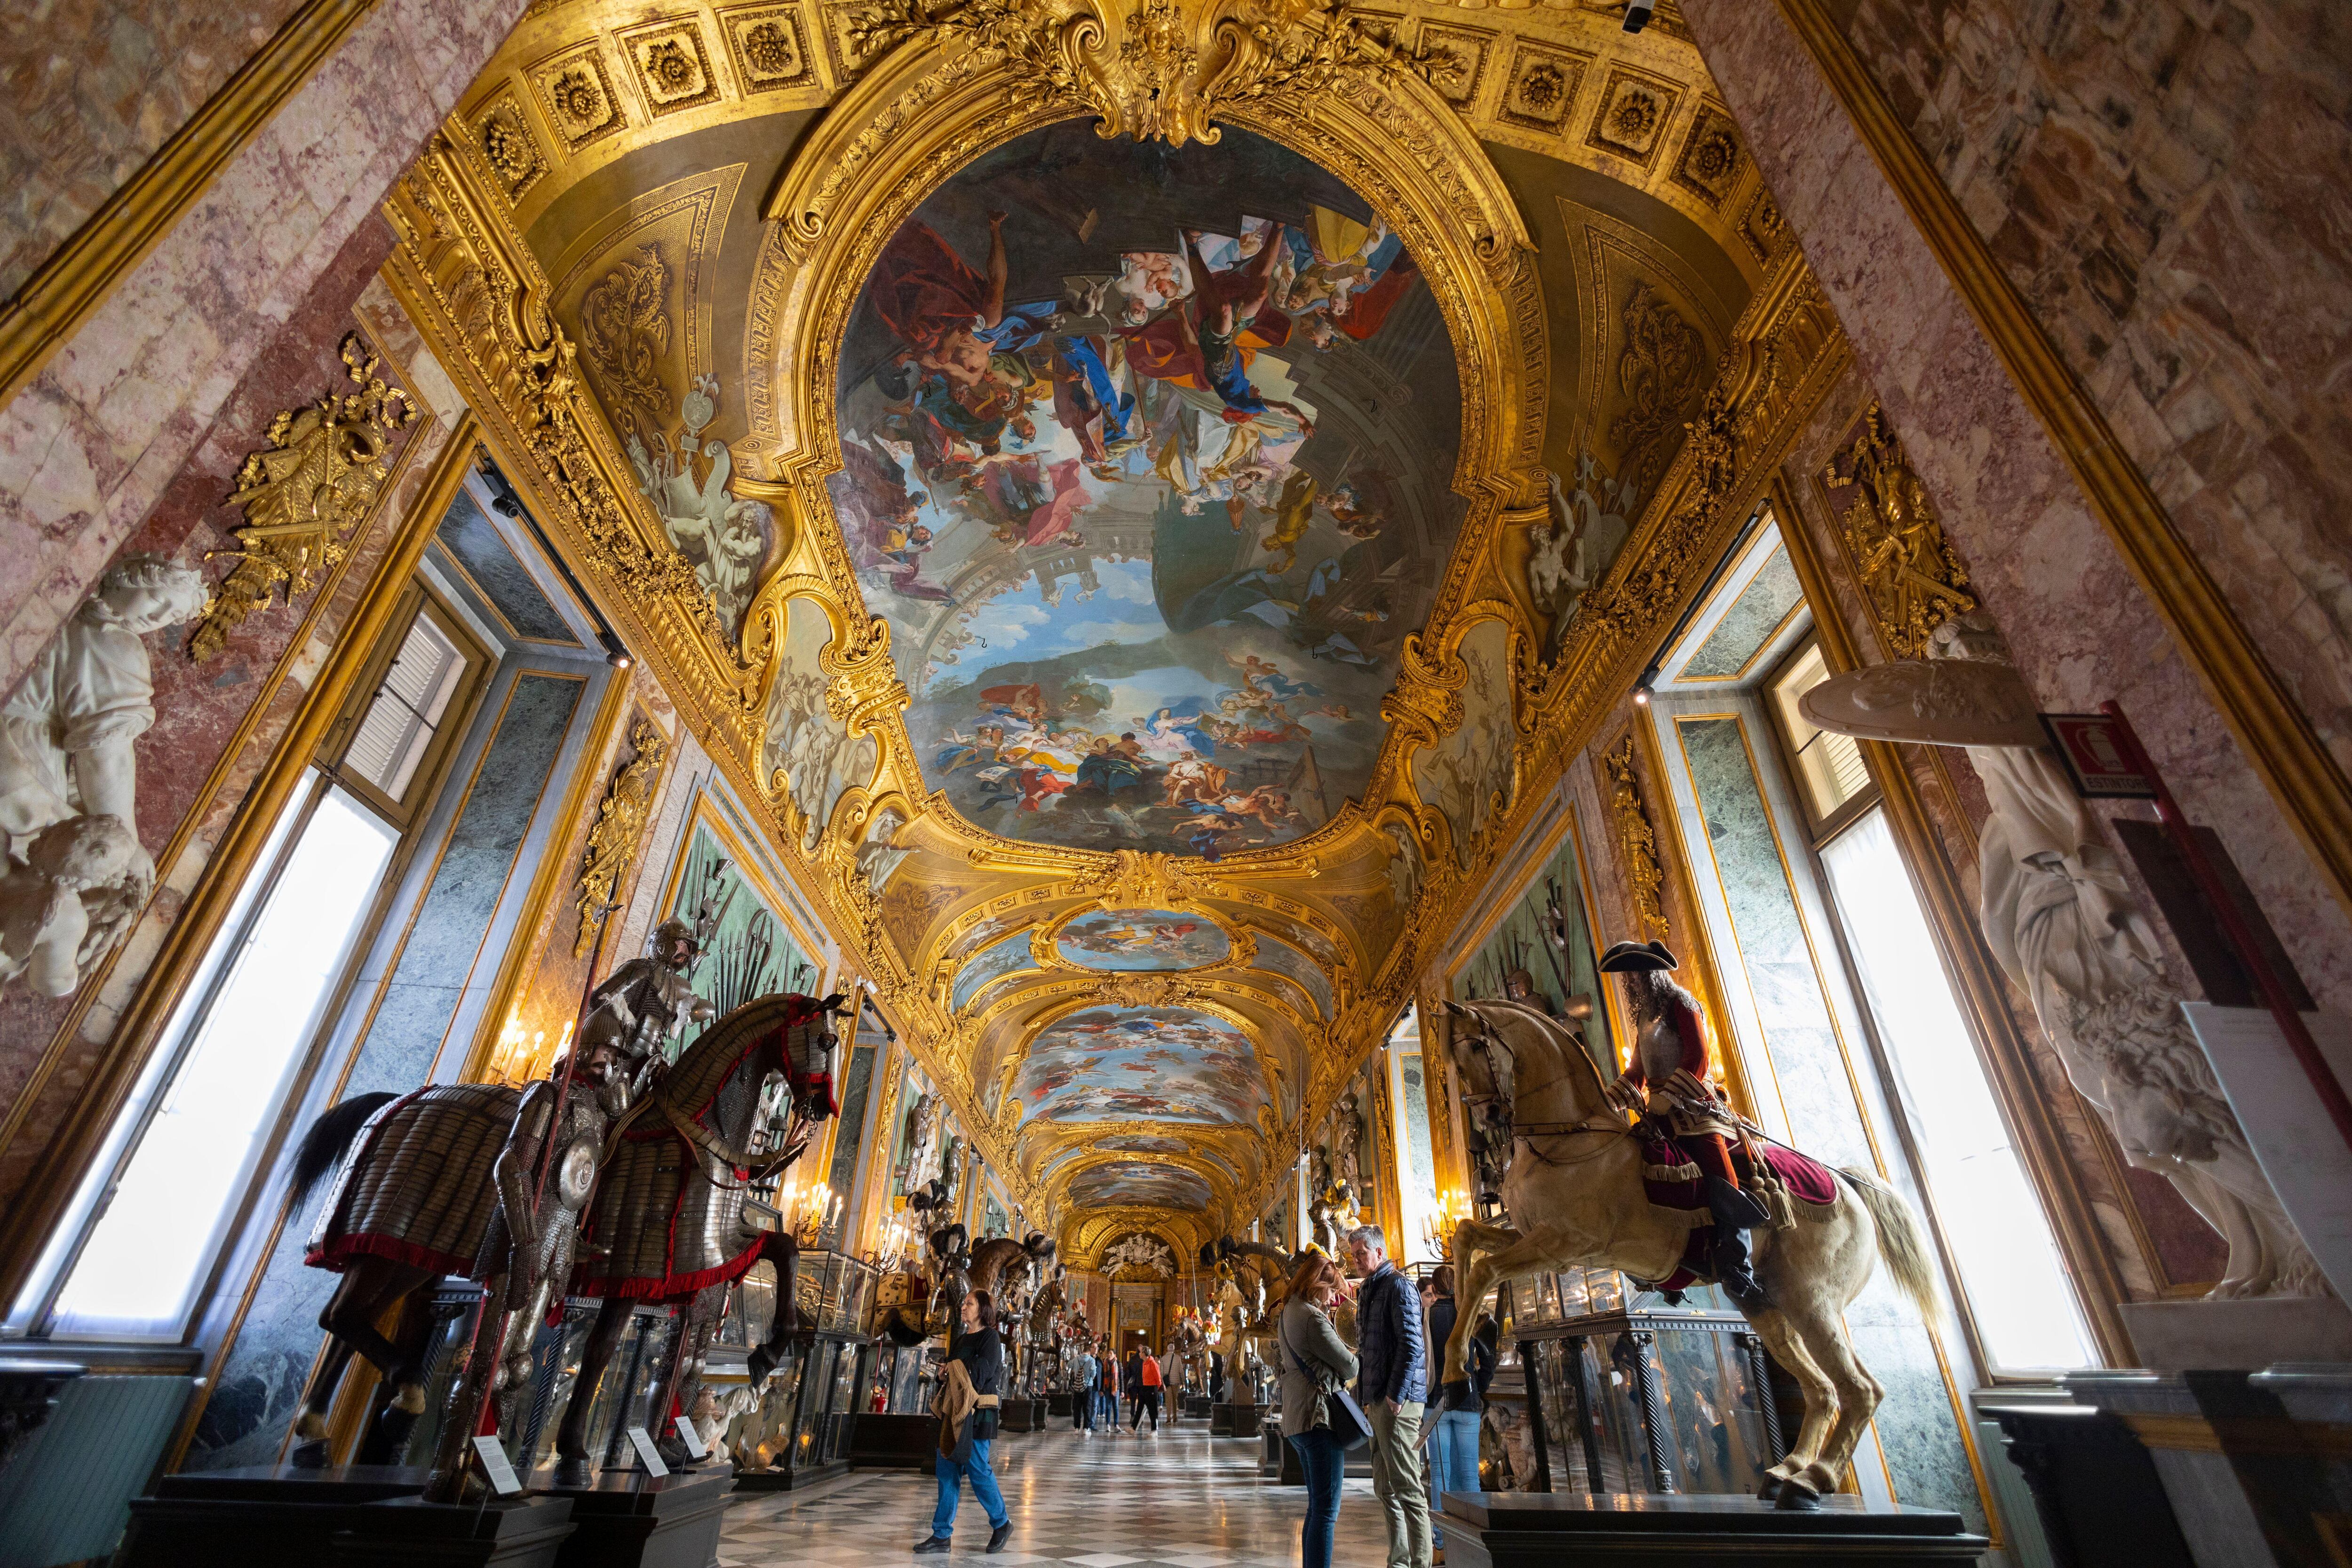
416 602
1820 828
324 773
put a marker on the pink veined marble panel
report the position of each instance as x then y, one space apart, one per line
88 447
91 91
2162 183
2081 628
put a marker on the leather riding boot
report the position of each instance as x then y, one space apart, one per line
1729 1259
1736 1214
1732 1206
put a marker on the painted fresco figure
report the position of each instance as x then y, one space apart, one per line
1666 1082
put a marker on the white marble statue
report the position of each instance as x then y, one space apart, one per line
74 873
2064 920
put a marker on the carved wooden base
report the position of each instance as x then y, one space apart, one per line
1234 1420
1541 1530
636 1521
357 1514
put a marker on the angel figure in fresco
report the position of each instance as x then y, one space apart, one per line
1206 340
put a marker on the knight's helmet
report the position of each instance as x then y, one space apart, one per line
667 935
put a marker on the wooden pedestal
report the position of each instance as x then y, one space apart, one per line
636 1521
1541 1530
1234 1420
345 1515
894 1442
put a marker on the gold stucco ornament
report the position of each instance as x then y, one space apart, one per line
304 494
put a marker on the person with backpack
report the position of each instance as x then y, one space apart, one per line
1109 1388
1084 1385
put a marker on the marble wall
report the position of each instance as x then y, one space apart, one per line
2039 558
217 724
91 444
92 92
2162 183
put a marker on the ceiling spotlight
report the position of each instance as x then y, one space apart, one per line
614 654
1641 696
1637 14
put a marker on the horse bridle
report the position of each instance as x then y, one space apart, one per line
1485 1044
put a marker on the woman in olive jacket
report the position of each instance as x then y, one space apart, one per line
1314 1360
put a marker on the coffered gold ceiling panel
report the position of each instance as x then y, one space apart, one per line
1144 568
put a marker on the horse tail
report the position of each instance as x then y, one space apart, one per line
1902 1245
321 1149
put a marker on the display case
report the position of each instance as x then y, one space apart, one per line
1600 1388
798 1427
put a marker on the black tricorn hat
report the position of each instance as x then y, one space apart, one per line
1637 955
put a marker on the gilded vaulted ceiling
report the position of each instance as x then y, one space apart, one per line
1142 711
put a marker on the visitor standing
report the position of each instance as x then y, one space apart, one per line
1109 1388
966 1405
1155 1378
1084 1381
1451 1432
1392 1383
1314 1360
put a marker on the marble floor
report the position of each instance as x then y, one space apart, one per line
1182 1499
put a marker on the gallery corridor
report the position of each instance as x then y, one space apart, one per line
1182 1499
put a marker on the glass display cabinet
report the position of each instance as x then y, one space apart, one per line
1600 1388
799 1426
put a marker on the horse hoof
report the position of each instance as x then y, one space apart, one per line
309 1456
575 1473
1796 1497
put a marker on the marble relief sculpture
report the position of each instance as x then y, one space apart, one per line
75 874
2063 921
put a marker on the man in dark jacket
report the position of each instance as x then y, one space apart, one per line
982 1354
1391 1384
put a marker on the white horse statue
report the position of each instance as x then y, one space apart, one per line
1574 1180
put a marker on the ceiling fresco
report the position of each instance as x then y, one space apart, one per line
1142 940
1054 507
1147 556
1135 1182
1140 1064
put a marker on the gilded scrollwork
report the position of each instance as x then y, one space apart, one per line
303 495
1637 841
1912 578
613 839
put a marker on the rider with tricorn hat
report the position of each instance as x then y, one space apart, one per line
1666 1082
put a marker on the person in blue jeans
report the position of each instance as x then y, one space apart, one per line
1084 1373
982 1356
1109 1386
1314 1360
1452 1432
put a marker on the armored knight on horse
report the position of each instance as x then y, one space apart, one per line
461 1179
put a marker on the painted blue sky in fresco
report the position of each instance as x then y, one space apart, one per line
1140 1064
1132 1182
1007 957
1141 939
